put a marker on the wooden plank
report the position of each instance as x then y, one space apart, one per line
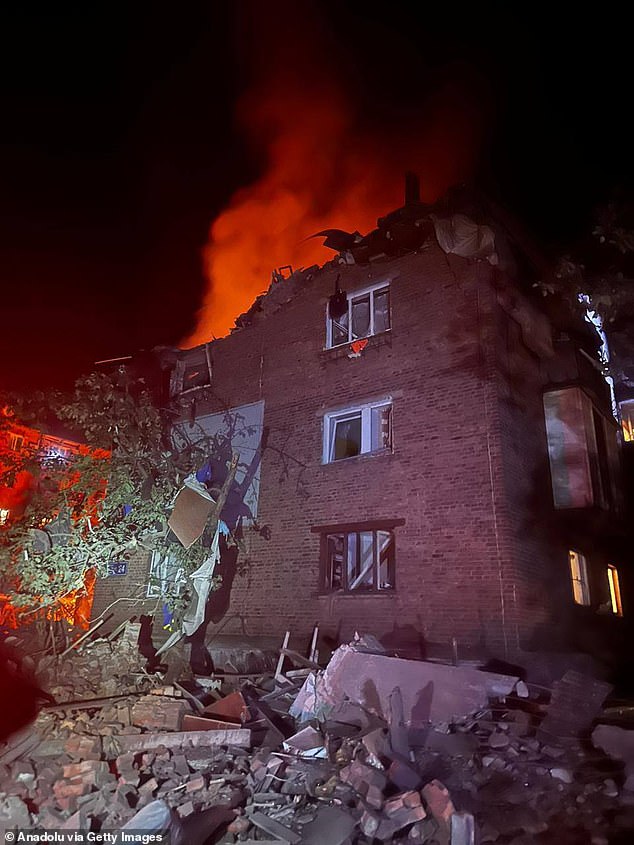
183 739
280 662
89 703
299 658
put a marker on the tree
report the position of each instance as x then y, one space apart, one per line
601 266
112 497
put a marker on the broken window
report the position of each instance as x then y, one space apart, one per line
368 313
167 577
582 450
192 371
16 441
196 375
579 577
615 591
357 431
359 561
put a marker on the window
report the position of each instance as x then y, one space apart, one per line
167 578
357 431
191 371
579 577
582 450
368 313
615 591
627 420
16 441
358 561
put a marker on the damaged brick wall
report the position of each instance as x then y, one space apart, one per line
437 479
468 472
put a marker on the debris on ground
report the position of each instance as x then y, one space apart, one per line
372 749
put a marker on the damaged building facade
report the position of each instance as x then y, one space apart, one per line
427 448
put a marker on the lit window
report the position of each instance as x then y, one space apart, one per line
357 431
627 420
582 451
16 441
359 561
615 591
367 313
579 577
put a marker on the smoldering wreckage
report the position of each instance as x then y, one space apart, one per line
367 748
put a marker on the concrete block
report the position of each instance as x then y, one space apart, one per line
462 829
273 827
185 739
331 824
402 775
430 691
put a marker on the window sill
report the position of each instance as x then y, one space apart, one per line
384 594
344 350
189 390
378 453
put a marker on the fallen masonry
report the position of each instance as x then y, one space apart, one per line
371 749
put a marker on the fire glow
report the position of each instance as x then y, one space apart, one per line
323 168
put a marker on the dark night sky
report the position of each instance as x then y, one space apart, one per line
119 146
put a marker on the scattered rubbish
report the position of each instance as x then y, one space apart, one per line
575 703
395 751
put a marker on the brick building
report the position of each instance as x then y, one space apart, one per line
426 452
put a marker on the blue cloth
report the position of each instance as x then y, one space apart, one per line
168 616
204 473
223 528
127 509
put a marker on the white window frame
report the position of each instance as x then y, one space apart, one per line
166 578
372 290
374 568
15 441
199 358
364 412
580 585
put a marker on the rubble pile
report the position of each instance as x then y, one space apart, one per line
372 749
101 668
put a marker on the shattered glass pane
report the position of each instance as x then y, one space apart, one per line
361 561
336 550
340 330
385 552
381 310
361 316
195 375
346 437
381 427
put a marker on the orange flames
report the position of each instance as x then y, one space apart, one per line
325 166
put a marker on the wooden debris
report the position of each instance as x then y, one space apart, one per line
184 739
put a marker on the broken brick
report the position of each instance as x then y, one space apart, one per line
440 805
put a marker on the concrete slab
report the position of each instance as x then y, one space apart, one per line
429 691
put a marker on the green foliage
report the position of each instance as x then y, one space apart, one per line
118 491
